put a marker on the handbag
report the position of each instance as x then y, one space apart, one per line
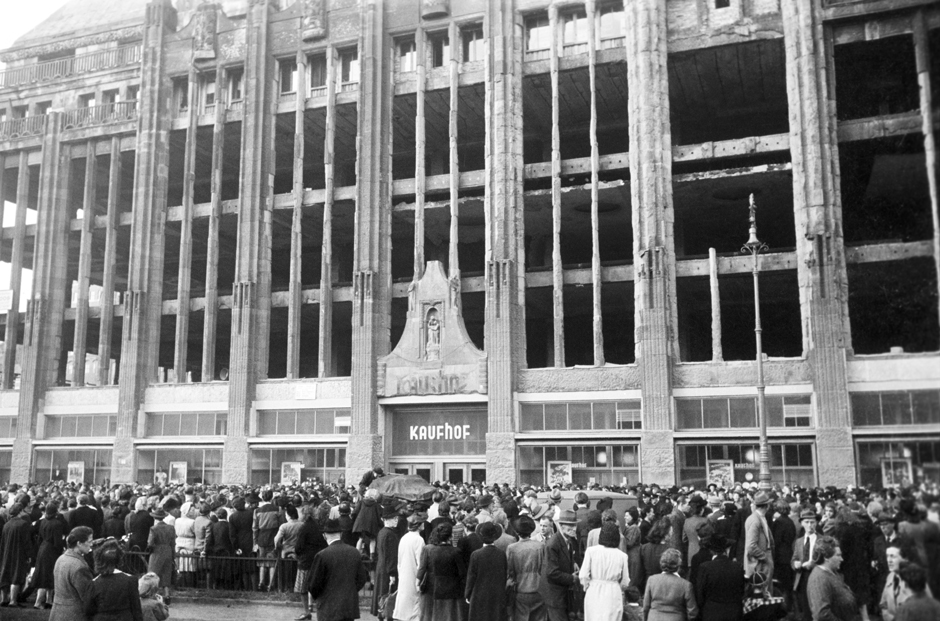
387 604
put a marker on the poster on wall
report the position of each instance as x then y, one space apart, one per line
896 472
720 472
559 473
76 472
178 471
290 472
931 472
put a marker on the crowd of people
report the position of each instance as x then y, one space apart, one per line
469 552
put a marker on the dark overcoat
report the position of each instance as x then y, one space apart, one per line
336 576
557 572
386 564
16 547
486 584
719 590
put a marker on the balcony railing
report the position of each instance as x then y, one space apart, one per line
21 128
101 115
348 87
573 49
73 65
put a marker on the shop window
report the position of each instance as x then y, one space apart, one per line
193 465
90 465
81 426
580 416
440 49
303 422
606 464
914 407
574 32
884 463
610 26
318 75
7 430
791 463
186 424
322 464
538 37
741 412
789 411
287 71
472 43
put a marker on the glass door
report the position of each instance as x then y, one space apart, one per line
464 473
422 470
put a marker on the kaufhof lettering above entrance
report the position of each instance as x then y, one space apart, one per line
436 431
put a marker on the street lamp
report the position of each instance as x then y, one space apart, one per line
755 247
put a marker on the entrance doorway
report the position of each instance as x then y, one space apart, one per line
422 470
464 473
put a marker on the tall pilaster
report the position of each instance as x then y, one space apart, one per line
505 271
372 276
821 268
42 337
140 338
251 305
653 248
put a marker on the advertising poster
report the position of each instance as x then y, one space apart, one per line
720 472
290 472
178 471
76 472
896 472
559 473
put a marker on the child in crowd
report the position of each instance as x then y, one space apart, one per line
151 604
632 610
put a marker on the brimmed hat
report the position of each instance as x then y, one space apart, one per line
568 517
555 495
389 512
417 518
698 501
716 543
761 499
885 518
158 514
807 514
485 501
540 512
332 526
489 532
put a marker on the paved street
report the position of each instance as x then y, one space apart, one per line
203 610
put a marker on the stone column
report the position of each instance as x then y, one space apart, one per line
821 268
42 336
505 264
372 276
653 245
251 305
140 339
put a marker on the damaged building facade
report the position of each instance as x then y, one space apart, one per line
480 240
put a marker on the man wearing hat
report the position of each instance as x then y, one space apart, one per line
336 576
719 584
524 566
486 578
386 556
803 561
560 567
758 541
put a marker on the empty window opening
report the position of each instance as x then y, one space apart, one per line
347 131
235 77
727 92
314 177
207 84
403 136
437 134
180 95
175 166
610 25
539 331
440 49
171 265
110 96
202 180
693 302
284 153
349 67
407 56
86 101
722 4
277 343
318 74
538 37
574 32
537 118
613 134
875 78
287 73
403 230
885 195
471 127
894 304
472 43
231 160
779 311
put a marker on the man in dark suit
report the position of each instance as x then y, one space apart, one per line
336 576
560 569
719 589
84 515
486 578
802 562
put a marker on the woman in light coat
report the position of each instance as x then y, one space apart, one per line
605 575
408 601
72 577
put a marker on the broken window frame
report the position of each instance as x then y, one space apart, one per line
287 75
439 48
472 43
538 37
406 58
317 72
574 31
615 36
349 68
234 87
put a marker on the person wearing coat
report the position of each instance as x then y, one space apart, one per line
559 571
113 595
486 578
650 553
444 564
758 540
802 562
16 549
719 588
161 544
605 575
668 596
783 531
336 576
524 569
219 544
51 531
72 577
408 602
830 598
386 557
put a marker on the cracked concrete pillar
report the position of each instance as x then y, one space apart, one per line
821 268
653 246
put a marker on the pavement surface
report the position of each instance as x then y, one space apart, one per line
206 609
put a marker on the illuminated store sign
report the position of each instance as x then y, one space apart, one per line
439 431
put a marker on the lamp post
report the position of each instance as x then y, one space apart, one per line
754 246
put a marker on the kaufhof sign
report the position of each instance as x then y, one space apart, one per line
432 431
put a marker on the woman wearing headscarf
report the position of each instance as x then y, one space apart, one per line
605 574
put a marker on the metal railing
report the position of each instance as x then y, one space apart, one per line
101 115
21 128
231 574
73 65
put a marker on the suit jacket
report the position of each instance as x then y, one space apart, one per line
336 577
669 597
447 569
486 584
801 575
240 523
72 583
758 546
557 572
719 589
86 516
113 597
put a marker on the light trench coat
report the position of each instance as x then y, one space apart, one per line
604 576
408 601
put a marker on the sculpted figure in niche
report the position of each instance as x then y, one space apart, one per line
204 32
313 22
433 347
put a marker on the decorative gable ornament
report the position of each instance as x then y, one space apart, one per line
313 21
434 9
434 356
204 30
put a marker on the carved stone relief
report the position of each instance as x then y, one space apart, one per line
204 31
313 22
